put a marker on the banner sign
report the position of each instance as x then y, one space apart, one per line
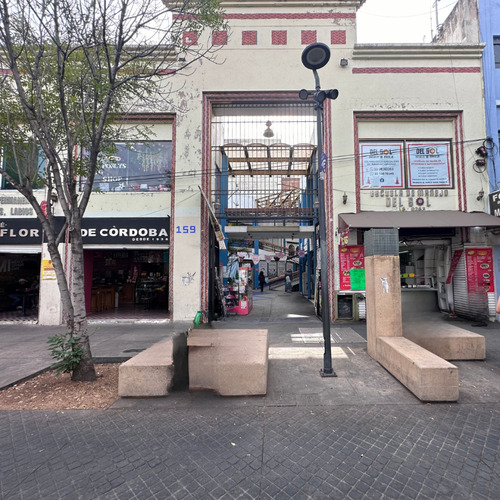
429 164
351 257
381 165
479 269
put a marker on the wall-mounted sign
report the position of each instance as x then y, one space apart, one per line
429 164
119 230
20 231
351 257
48 271
116 231
479 269
381 165
495 203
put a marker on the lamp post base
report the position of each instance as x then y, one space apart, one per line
325 374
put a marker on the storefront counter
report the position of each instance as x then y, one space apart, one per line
418 300
103 298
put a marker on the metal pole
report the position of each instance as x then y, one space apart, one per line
327 370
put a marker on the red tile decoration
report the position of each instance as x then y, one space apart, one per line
279 37
418 69
307 37
189 38
249 38
338 37
219 37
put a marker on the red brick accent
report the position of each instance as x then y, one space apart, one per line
279 37
189 38
420 69
219 37
307 37
310 15
249 38
338 37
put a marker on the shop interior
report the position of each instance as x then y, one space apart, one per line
15 267
126 279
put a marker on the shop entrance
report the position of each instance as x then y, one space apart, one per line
263 191
19 284
126 281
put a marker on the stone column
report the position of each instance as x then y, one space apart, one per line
383 286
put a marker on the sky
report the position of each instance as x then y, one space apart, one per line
400 21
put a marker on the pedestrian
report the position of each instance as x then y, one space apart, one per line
17 294
262 281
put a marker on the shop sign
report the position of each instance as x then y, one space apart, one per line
479 269
495 203
411 200
48 270
15 210
351 258
120 230
429 164
381 165
20 232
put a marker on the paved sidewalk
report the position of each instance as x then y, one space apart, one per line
360 435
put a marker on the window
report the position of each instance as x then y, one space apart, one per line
30 162
137 166
496 48
405 164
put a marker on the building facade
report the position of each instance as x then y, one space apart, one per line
400 145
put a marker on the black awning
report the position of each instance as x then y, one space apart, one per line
407 219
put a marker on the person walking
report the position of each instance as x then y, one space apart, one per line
262 281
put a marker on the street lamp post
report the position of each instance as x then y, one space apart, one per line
314 57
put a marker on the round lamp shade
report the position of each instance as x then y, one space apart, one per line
316 55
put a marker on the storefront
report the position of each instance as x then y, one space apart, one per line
126 263
20 249
444 266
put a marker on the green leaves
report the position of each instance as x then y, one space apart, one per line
67 350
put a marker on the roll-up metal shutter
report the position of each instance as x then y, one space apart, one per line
460 295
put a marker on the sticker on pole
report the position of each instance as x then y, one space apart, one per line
322 165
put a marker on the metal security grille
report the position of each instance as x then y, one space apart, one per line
263 158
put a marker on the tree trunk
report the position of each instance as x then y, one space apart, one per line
85 370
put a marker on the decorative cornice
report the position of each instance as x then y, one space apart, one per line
342 4
417 51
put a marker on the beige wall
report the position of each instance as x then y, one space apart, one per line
266 67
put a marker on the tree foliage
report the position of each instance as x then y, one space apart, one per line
71 70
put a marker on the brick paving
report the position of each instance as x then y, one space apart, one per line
354 452
361 435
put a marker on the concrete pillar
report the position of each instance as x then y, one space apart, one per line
383 299
383 286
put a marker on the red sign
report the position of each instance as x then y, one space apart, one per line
350 257
454 261
479 269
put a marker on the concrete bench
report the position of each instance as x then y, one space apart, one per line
229 362
149 373
446 341
428 376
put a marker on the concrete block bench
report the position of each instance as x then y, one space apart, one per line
446 341
229 362
149 373
428 376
